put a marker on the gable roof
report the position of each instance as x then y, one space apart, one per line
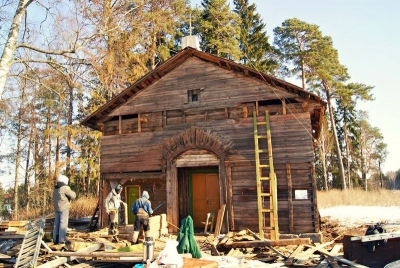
102 114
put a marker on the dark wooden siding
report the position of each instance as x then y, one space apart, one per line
291 141
218 88
134 139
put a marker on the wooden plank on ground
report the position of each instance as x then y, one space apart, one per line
266 243
13 236
335 250
189 263
60 261
340 259
292 256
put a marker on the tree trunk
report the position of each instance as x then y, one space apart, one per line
346 139
323 157
363 166
11 43
18 153
27 182
303 76
50 178
338 151
17 163
69 135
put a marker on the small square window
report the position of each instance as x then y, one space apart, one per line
193 95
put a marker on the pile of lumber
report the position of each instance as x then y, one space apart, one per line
158 227
248 239
13 226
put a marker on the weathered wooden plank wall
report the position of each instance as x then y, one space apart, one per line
133 141
291 144
218 88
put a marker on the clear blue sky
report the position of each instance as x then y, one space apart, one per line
367 35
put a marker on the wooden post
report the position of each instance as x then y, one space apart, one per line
139 124
314 195
230 198
284 106
120 124
290 197
172 196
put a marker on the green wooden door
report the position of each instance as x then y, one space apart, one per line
132 195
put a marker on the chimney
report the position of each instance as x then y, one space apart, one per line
191 41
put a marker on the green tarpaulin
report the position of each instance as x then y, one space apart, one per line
187 242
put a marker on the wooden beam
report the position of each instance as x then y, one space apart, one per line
104 254
230 197
139 124
340 259
15 236
62 260
220 218
290 198
119 123
284 106
267 243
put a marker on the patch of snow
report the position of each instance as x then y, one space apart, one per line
363 215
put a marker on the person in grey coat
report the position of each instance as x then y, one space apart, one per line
62 197
112 203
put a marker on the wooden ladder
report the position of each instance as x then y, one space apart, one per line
30 247
266 178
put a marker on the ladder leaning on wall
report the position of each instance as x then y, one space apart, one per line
266 179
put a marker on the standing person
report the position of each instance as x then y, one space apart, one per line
62 197
142 210
112 203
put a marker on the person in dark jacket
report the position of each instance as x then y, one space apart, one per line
62 197
142 210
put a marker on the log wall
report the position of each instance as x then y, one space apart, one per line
139 139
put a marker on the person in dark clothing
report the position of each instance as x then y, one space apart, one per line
62 197
142 210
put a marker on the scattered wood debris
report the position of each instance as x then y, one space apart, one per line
235 249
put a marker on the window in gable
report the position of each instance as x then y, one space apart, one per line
193 95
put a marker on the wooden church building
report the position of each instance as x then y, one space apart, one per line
185 132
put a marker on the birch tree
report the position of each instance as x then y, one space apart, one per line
11 45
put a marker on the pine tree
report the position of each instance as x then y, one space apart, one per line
256 51
312 55
219 30
293 40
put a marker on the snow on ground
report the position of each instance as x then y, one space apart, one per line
353 216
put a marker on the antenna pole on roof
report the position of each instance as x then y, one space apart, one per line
190 24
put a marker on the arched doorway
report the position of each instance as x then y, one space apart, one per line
194 149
